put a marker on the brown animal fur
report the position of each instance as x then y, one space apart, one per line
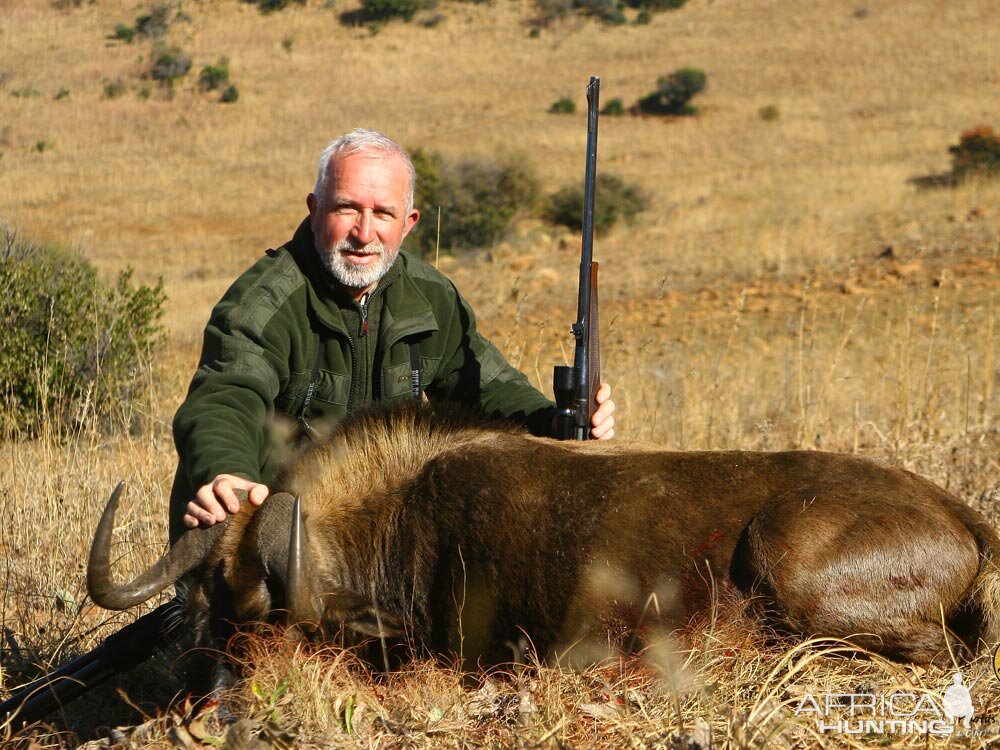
466 537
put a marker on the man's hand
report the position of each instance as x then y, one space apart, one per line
602 424
215 500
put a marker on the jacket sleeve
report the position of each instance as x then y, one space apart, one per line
221 426
474 371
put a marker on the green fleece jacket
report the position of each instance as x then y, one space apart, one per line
283 319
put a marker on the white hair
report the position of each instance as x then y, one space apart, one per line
361 140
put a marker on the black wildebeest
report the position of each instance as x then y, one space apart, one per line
462 536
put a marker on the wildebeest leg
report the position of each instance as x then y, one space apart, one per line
890 581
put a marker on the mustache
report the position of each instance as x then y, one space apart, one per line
372 248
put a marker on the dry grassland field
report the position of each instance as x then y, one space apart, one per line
753 305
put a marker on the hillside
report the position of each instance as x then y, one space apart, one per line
789 285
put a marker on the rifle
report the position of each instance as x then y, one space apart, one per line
575 387
123 650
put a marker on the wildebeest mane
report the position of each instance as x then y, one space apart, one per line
382 446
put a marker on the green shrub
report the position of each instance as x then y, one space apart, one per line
614 200
384 10
607 11
230 95
114 89
124 33
478 199
769 113
977 154
169 66
25 92
72 349
374 13
270 6
614 108
154 24
562 106
673 92
61 94
212 77
655 5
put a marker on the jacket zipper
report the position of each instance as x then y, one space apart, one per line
354 372
364 313
363 304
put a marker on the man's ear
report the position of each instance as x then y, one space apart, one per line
312 204
409 222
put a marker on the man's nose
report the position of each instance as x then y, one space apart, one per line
364 227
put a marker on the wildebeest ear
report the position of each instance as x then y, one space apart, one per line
361 614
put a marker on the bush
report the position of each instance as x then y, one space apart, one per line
384 10
478 199
608 11
124 33
562 106
769 113
613 108
655 5
212 77
154 24
374 13
114 89
614 200
673 92
230 95
170 65
977 154
71 348
269 6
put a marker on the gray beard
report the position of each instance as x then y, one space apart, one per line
350 275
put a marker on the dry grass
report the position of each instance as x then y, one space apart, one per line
747 308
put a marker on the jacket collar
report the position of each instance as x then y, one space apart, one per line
407 310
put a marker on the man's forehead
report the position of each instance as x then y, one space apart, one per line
368 158
384 171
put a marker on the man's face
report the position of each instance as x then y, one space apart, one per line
359 230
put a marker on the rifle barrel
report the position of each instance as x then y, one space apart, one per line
583 328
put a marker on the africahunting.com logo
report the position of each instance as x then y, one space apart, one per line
897 712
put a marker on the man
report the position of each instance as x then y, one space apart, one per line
333 320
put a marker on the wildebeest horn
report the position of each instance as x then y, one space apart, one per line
302 607
310 607
186 554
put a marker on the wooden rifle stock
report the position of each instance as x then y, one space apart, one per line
123 650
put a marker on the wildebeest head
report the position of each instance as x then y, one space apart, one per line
250 568
260 564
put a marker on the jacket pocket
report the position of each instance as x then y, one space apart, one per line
332 388
397 378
